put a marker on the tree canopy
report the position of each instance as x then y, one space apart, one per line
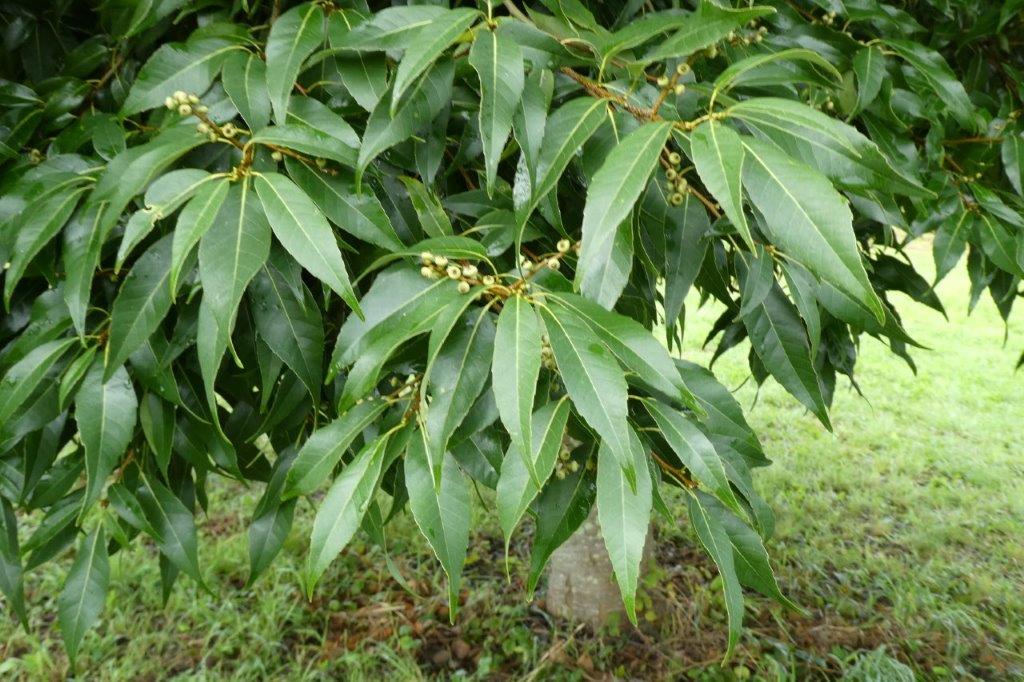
377 254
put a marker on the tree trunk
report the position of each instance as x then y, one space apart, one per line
581 584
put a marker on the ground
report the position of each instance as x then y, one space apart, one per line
900 535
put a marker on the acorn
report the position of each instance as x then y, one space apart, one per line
680 89
554 263
676 199
184 109
181 96
440 261
563 246
682 185
426 258
470 271
671 174
427 272
663 82
463 287
277 156
454 272
170 103
202 128
683 68
229 130
488 280
675 159
321 162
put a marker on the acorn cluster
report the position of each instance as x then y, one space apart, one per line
547 356
466 274
565 464
675 184
672 84
756 35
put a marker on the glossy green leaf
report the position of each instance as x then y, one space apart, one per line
442 513
808 219
105 412
426 45
433 219
612 193
944 83
230 254
293 37
44 219
635 347
869 67
11 579
390 28
522 477
498 62
453 381
1012 154
141 305
288 319
245 82
85 590
188 67
593 380
951 241
737 72
325 447
715 540
779 339
25 375
717 153
359 214
566 130
341 512
624 512
709 24
304 232
173 525
271 521
694 450
514 371
386 128
193 222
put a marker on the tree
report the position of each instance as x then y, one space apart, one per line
389 252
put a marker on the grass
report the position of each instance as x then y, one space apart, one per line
899 534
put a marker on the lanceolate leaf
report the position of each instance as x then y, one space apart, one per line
245 82
454 380
518 485
514 371
1012 153
594 381
717 152
499 65
141 305
342 509
707 26
288 319
11 582
441 512
85 590
426 45
625 514
869 67
24 376
173 525
105 413
324 449
193 222
715 539
940 77
390 28
293 37
302 229
560 509
780 341
566 130
359 214
694 450
635 347
613 191
189 67
230 254
808 219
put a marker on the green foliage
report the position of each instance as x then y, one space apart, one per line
523 196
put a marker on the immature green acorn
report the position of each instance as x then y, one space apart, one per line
676 199
463 287
675 159
563 246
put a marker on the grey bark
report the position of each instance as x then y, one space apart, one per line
581 584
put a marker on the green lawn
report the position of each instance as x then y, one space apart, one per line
900 535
